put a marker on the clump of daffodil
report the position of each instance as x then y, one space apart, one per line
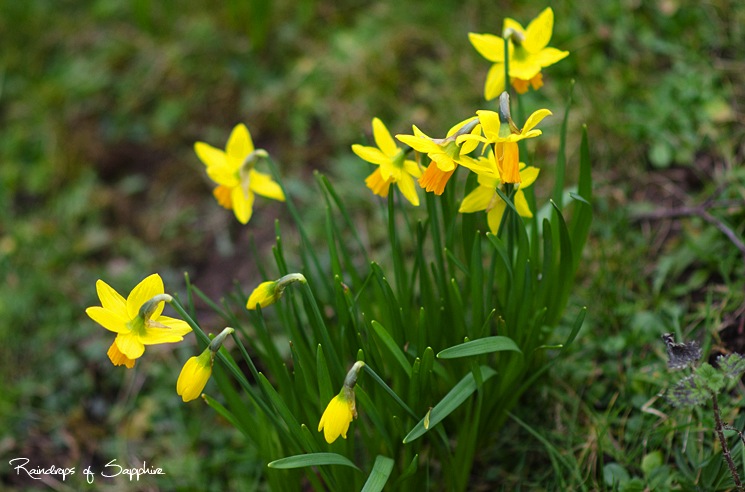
233 171
269 292
341 410
392 162
445 153
137 321
198 369
528 53
485 196
501 132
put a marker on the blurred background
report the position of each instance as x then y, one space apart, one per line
102 101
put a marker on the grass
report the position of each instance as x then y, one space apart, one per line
100 104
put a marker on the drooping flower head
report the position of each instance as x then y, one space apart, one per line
198 369
392 162
137 321
233 171
445 153
501 132
269 292
341 410
485 196
528 53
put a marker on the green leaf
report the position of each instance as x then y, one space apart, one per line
460 392
481 346
391 345
409 471
379 474
325 389
731 365
312 459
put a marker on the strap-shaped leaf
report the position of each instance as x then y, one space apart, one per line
379 474
460 392
312 459
481 346
391 345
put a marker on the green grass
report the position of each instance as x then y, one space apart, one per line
100 103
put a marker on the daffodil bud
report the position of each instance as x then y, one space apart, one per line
194 375
267 293
342 409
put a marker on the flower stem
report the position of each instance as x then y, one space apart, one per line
719 428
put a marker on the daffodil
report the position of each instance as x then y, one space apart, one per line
338 415
341 410
194 376
269 292
137 321
500 131
528 53
233 171
198 369
445 153
392 162
485 196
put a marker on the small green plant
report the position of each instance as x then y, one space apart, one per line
443 335
703 386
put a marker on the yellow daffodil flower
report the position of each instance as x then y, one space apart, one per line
527 49
338 415
267 293
341 410
445 153
198 369
233 171
137 321
194 375
392 162
485 196
499 131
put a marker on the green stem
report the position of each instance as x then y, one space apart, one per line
719 428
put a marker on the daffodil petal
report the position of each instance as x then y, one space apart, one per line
157 335
521 204
539 31
477 200
444 163
243 204
263 184
495 83
549 56
489 46
406 186
110 299
129 345
490 124
528 176
383 138
223 175
420 144
412 168
175 326
494 217
150 287
534 119
370 154
240 143
209 155
108 319
524 68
